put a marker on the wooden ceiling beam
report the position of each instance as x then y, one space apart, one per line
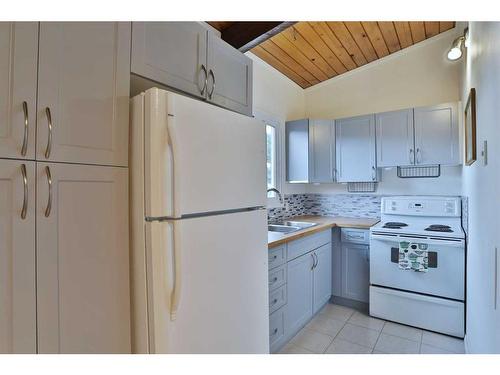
246 35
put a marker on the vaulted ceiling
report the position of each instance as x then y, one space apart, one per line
312 52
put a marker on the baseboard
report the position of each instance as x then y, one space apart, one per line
357 305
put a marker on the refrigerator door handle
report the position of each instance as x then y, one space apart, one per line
176 290
176 190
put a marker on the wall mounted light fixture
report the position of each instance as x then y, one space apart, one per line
456 49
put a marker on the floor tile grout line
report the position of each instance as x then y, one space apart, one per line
378 337
334 337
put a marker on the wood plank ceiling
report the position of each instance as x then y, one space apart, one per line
312 52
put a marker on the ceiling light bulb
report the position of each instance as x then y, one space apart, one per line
454 54
455 51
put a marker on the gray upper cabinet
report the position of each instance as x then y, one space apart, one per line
18 72
229 82
355 149
310 151
395 138
186 57
171 53
436 135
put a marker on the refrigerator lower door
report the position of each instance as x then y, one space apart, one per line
200 158
207 284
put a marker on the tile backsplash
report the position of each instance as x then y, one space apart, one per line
365 205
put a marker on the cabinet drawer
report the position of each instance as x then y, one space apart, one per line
304 245
277 277
277 256
276 328
355 235
277 298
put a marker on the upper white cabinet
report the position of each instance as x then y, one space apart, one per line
83 296
185 56
171 53
310 150
18 72
229 82
436 135
395 138
83 92
17 257
355 149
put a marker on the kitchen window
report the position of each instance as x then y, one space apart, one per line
273 156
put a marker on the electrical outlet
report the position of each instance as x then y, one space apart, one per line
484 153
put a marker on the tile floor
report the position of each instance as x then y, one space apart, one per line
341 330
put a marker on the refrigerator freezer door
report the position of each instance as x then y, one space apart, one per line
221 283
200 158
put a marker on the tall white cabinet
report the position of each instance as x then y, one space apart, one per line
17 257
64 257
83 92
82 262
18 79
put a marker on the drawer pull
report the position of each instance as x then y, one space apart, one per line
275 331
275 279
275 257
275 301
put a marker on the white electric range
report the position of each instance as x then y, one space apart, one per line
432 300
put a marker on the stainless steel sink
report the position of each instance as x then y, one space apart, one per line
289 226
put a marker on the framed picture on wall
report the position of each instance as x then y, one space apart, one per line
470 128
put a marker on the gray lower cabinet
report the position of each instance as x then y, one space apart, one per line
351 264
186 57
355 149
299 286
310 151
322 283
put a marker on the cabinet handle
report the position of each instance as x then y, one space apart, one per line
211 73
49 182
374 173
275 257
24 149
206 79
334 174
25 187
412 161
274 301
314 261
275 279
275 331
49 139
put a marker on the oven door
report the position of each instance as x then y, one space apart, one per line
444 277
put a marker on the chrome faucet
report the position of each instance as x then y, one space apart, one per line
279 194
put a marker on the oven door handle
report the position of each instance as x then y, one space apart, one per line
397 239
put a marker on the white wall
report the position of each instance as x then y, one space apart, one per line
277 97
481 185
420 75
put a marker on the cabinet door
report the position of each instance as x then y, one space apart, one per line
436 135
321 150
355 272
171 53
18 71
395 138
17 258
355 149
229 76
322 289
83 298
83 81
300 300
297 151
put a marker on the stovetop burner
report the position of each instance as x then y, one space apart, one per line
438 228
394 225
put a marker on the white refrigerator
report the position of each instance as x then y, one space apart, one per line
198 227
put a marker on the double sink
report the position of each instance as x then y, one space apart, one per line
289 226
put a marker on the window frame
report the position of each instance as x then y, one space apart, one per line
267 119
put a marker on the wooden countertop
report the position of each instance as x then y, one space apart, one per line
275 238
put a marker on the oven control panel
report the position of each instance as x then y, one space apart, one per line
422 206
